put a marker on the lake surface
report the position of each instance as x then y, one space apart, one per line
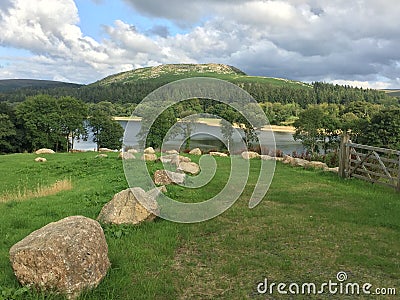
204 136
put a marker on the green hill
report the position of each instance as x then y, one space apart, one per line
10 85
167 73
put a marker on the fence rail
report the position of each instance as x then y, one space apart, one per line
373 164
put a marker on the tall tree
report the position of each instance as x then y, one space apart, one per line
39 116
73 116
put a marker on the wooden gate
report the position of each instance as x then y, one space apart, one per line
373 164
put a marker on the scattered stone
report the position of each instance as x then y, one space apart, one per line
133 151
65 257
333 170
220 154
153 194
165 159
165 177
195 151
102 156
149 157
250 155
126 155
298 162
267 157
44 151
149 150
105 150
287 159
40 159
126 208
177 159
189 167
317 165
279 158
171 152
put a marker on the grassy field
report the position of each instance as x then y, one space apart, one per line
310 226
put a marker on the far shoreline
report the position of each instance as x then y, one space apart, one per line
215 122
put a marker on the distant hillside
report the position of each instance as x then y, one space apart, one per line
393 92
167 73
9 85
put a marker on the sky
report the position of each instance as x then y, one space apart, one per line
345 42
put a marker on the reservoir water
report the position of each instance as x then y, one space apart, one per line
204 136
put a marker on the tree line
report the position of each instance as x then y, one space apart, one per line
44 121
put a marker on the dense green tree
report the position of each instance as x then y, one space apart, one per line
308 128
74 112
39 116
107 133
152 135
383 130
7 134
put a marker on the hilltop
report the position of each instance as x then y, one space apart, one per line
167 73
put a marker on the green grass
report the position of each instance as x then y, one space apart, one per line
310 226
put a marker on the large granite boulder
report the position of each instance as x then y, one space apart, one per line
299 162
195 151
65 257
165 177
189 167
44 151
125 208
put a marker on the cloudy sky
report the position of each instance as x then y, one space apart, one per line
346 42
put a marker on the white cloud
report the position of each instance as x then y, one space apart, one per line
308 40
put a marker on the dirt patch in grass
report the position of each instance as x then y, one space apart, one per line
40 191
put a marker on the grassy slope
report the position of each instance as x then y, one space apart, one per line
310 226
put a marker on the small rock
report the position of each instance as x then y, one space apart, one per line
171 152
153 194
287 159
250 155
267 157
44 151
149 157
102 156
40 159
126 155
333 170
149 150
126 208
220 154
133 151
105 150
65 257
316 165
189 167
165 177
195 151
177 159
298 162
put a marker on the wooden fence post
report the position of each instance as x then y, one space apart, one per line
398 177
344 155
